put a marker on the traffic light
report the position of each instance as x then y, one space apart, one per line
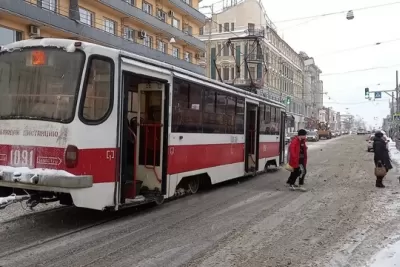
288 100
366 92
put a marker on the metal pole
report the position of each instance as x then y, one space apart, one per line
209 43
391 106
397 91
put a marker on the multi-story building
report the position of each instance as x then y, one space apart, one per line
244 49
158 29
313 90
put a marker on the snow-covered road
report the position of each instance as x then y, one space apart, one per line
342 221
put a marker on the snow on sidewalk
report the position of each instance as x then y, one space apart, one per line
390 255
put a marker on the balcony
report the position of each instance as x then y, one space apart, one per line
258 83
255 32
254 57
153 21
226 61
187 9
40 16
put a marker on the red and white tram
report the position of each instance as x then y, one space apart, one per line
101 128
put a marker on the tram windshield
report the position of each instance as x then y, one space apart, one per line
39 83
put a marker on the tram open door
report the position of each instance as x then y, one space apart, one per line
282 139
251 146
146 179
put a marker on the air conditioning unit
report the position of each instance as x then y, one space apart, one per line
34 30
171 13
142 34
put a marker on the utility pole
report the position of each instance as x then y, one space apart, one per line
391 106
397 91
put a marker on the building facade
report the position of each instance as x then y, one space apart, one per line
165 30
244 49
313 91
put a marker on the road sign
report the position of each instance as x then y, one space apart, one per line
378 94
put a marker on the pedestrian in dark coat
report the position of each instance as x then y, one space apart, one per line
381 156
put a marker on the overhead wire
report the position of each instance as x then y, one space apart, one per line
337 12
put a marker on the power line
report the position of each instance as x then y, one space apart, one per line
359 47
358 70
337 13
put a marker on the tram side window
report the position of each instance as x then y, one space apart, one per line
268 125
210 123
278 121
262 118
220 110
195 113
239 118
230 111
180 100
273 121
98 91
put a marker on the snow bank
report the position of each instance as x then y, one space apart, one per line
19 171
388 257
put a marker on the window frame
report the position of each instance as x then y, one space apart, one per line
85 86
77 89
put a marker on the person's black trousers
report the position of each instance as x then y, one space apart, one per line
293 176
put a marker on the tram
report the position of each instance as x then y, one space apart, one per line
103 129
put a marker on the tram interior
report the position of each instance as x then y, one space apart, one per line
142 135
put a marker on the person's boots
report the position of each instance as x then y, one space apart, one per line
379 182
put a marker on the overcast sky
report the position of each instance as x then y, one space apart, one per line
323 36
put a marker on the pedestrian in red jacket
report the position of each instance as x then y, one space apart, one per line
297 159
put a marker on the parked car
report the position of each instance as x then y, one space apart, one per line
312 136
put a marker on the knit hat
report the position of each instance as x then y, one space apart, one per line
302 132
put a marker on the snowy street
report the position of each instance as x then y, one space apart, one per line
343 220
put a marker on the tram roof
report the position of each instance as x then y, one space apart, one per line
65 43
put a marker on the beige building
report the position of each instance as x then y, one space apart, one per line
313 90
244 49
159 29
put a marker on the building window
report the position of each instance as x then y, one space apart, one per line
8 36
161 46
220 27
250 26
86 16
232 26
131 2
110 26
175 52
188 57
189 2
129 34
148 8
226 27
98 91
201 31
225 73
188 29
161 15
49 5
148 41
176 23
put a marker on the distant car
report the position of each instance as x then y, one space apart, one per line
289 136
312 136
333 134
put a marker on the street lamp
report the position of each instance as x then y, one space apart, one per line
350 15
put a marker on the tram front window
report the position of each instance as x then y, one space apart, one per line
39 83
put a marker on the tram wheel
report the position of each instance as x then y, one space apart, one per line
194 184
